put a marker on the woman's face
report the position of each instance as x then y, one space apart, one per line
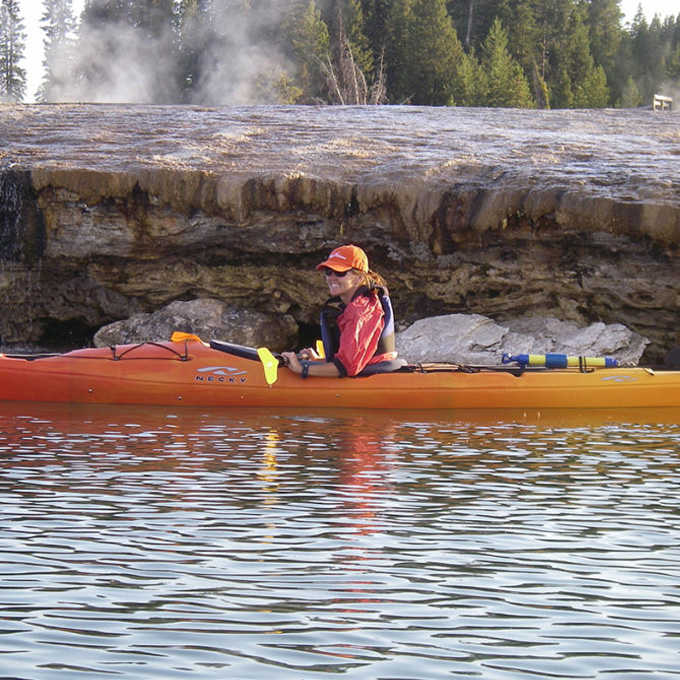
343 284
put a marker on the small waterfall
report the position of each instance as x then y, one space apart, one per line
22 243
11 205
22 225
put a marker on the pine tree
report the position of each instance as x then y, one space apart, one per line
523 33
588 83
553 48
433 53
647 55
470 83
396 48
376 15
506 84
311 44
59 25
12 45
473 19
561 94
592 92
350 13
630 95
605 33
669 38
673 64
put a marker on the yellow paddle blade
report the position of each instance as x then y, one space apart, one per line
179 336
270 365
320 350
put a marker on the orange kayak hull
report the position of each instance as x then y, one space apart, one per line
192 373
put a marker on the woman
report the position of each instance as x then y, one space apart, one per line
356 323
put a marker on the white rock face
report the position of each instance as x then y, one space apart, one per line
207 318
477 339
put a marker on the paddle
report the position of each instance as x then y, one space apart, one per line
270 362
559 361
179 336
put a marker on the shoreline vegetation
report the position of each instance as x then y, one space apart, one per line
558 54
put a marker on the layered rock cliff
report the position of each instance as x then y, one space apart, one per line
108 211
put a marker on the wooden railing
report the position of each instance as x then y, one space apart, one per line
662 103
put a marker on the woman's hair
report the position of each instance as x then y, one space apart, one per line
373 279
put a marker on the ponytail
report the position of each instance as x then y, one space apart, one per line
374 279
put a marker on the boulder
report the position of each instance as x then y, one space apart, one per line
209 319
477 339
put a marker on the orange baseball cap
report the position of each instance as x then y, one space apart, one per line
344 258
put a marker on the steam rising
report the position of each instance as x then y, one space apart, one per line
118 63
237 61
228 58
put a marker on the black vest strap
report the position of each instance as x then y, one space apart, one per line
330 334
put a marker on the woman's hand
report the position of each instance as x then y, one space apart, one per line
308 354
292 362
320 369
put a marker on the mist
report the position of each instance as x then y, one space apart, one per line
226 60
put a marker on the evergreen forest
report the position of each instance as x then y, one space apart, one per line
492 53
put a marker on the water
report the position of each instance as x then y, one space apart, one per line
627 155
11 202
144 543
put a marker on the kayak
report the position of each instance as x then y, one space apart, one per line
190 372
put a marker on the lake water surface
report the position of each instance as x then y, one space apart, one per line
147 543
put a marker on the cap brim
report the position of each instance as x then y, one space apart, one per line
335 266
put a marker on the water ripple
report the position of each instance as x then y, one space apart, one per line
150 544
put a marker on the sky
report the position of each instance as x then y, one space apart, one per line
32 11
